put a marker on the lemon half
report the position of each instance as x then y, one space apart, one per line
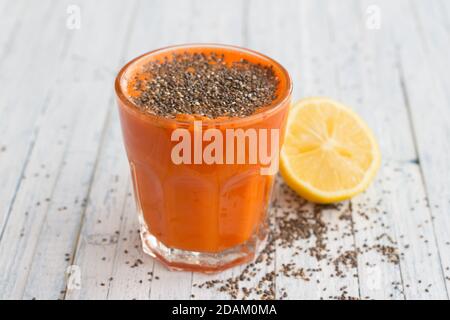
329 153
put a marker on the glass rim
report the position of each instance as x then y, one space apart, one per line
271 108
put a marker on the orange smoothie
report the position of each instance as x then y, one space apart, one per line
192 215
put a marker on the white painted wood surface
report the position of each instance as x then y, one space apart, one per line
66 202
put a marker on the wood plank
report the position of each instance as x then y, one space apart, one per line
11 14
48 241
308 42
88 63
100 231
19 239
307 55
17 141
406 216
423 63
357 73
131 278
18 70
20 21
358 51
67 189
445 7
158 25
217 21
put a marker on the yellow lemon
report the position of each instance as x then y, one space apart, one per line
329 153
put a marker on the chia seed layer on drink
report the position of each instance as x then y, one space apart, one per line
204 85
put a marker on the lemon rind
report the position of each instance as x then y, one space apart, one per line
308 191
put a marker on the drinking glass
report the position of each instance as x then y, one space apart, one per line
200 217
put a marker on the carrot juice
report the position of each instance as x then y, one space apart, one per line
203 126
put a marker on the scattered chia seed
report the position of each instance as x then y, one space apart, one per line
204 85
302 228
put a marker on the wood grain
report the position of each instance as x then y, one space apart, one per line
66 199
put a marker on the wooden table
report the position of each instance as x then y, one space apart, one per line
67 217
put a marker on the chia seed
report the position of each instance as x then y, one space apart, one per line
204 85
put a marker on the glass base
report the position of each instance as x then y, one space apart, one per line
182 260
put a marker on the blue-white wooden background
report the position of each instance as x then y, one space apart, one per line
64 177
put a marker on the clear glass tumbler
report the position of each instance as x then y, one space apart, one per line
200 217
